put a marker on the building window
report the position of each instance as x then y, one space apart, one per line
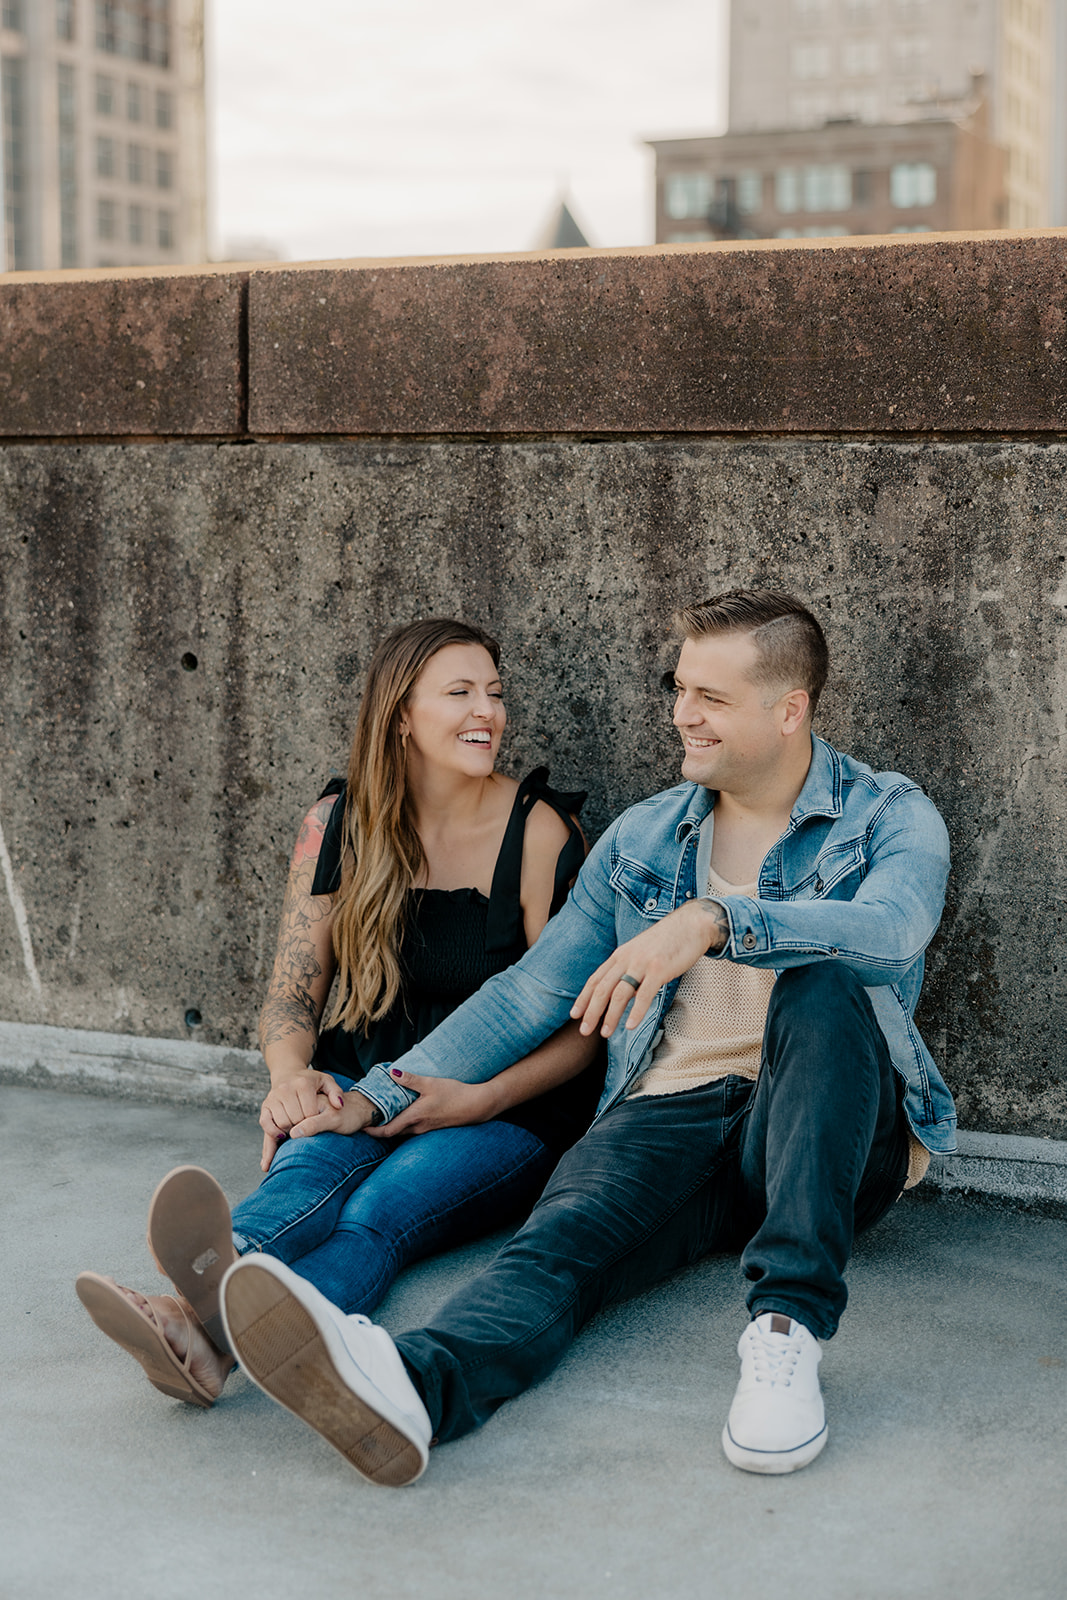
134 102
911 10
910 227
64 19
136 224
68 166
859 58
13 99
164 169
749 192
912 183
811 59
827 188
787 189
862 188
811 13
825 230
909 52
861 103
687 194
860 13
136 29
105 95
136 163
811 109
105 156
107 219
12 15
165 234
164 108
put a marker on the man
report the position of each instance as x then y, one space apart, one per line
761 929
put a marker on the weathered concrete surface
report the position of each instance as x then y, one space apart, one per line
128 355
952 334
183 629
945 1474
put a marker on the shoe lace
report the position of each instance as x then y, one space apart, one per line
774 1356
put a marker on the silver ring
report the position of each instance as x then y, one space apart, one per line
628 977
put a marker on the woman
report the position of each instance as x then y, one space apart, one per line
411 883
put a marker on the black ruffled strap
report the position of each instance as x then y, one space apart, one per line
327 878
505 929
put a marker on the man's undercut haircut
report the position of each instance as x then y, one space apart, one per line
790 643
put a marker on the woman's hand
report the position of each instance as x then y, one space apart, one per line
293 1100
442 1103
352 1116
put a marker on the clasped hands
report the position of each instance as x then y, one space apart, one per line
312 1102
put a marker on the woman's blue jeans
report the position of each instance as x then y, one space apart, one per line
785 1169
348 1212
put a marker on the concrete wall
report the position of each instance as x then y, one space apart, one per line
218 489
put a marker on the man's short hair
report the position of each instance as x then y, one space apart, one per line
789 641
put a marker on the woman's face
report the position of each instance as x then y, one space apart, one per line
455 714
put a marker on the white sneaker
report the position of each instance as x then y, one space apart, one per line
777 1422
342 1375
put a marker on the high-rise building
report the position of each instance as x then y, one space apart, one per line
104 159
801 63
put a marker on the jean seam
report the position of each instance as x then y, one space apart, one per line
272 1238
480 1194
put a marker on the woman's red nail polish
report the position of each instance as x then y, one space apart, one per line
396 1072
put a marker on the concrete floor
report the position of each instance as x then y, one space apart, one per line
945 1475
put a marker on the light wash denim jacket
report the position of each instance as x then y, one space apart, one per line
857 877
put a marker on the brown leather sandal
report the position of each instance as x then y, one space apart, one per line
139 1330
191 1237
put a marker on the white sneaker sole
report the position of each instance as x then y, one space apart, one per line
285 1351
772 1461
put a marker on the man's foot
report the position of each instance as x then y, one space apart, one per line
161 1332
341 1375
777 1422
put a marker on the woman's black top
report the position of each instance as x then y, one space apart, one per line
453 940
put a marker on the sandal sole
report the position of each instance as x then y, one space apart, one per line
120 1319
190 1235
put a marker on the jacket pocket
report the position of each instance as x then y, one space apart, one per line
642 889
832 868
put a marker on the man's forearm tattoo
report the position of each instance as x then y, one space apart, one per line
720 924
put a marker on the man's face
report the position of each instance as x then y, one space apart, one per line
731 739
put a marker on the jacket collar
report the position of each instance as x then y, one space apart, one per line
821 796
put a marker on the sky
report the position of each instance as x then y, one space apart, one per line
344 128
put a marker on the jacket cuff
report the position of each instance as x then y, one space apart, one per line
384 1092
749 934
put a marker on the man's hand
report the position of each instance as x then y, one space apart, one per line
290 1101
442 1103
661 953
353 1115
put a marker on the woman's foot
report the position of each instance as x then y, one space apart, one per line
190 1235
162 1333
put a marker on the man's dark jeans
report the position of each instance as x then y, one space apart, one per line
788 1167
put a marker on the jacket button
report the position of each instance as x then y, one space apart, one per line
650 905
749 941
689 894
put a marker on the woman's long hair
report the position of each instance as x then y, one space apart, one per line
381 853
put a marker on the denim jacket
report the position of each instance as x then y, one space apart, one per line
858 877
